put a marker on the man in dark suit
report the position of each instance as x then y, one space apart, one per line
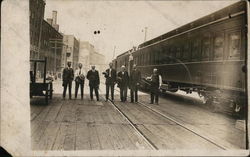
94 82
79 80
135 79
156 83
123 82
68 76
110 75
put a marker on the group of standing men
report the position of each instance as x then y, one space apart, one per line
92 76
122 78
124 81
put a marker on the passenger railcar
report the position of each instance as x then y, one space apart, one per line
207 56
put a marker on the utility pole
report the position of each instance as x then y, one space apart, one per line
40 34
57 45
145 36
55 57
114 52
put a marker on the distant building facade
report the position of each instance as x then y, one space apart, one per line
88 56
85 49
70 51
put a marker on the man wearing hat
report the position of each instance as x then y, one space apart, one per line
68 76
123 79
110 75
94 82
134 82
156 82
79 80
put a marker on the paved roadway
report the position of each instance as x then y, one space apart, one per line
176 123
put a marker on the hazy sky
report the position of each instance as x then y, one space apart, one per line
121 22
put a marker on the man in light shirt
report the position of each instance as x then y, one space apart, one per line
156 82
79 80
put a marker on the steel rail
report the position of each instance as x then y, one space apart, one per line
180 124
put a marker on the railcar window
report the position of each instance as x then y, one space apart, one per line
138 59
135 60
143 58
195 49
178 53
218 46
186 51
141 54
156 57
151 58
172 54
165 55
205 47
146 58
234 45
126 62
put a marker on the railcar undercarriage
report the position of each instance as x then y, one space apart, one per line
218 100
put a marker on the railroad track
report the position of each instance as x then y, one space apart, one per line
146 139
137 130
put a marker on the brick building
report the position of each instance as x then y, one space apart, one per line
36 19
51 47
45 39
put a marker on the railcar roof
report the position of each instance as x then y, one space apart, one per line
124 53
227 11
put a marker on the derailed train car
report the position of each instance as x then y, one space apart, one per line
207 55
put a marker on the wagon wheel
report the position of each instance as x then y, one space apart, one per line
51 91
47 97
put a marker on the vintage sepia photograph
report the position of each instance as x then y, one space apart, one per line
108 75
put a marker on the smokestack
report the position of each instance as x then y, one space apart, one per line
56 26
54 17
49 20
